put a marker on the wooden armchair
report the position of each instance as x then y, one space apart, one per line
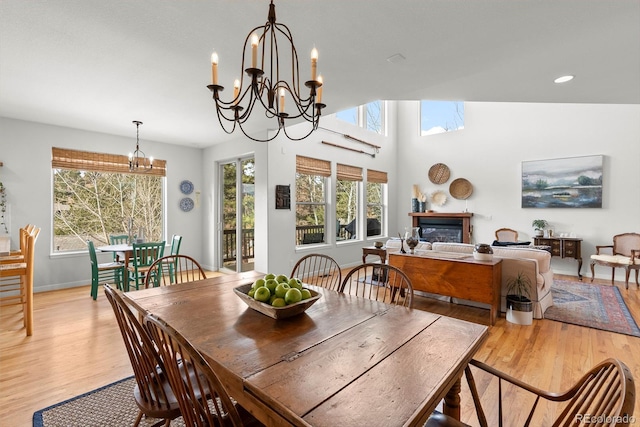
607 391
624 253
506 235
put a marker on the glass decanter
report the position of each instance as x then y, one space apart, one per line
412 237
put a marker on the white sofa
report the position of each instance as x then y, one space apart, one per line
534 263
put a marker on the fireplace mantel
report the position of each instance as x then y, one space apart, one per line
467 229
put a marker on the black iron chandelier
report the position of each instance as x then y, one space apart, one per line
137 160
266 86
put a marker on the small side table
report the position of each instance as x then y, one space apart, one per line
372 250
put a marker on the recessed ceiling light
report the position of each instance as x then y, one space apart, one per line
563 79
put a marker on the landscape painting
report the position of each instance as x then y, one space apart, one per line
574 182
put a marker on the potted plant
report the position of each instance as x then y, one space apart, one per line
519 305
539 225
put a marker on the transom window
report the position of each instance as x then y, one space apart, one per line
441 116
370 116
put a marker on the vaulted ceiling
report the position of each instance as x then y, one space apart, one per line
98 65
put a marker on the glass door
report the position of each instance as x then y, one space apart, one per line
237 180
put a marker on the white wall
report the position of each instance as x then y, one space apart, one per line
25 150
489 151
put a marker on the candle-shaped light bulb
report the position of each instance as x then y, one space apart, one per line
314 63
214 68
282 100
151 161
236 90
130 156
319 91
254 50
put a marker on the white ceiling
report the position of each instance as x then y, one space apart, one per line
98 65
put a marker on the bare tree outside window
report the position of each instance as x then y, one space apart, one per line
93 205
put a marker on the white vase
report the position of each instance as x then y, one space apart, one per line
519 317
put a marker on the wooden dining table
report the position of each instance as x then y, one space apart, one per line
347 360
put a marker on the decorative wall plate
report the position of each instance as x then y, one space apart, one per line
186 204
461 189
438 198
186 187
439 173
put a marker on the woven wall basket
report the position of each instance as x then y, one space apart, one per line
460 189
439 173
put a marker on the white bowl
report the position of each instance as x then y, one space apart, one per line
482 257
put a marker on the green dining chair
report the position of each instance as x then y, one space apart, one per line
170 264
144 254
118 239
108 272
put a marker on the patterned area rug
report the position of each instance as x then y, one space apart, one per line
594 306
97 408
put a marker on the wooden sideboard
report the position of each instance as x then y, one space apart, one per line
467 229
454 275
563 247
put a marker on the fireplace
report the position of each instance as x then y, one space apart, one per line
443 227
440 229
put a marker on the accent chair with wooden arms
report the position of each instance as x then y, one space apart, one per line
506 235
624 253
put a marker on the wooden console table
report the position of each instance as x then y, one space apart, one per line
459 276
563 247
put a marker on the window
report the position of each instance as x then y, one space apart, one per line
441 116
347 190
95 195
370 116
311 199
376 197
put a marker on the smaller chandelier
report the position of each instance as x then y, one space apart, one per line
267 86
137 160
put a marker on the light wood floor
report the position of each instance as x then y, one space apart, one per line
77 347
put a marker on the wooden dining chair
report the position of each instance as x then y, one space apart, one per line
173 269
606 391
16 280
152 392
107 272
202 397
381 282
144 254
18 255
318 270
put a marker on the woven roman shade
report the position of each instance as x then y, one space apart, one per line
63 158
376 176
349 173
310 166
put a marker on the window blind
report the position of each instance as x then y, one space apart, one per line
376 176
349 173
64 158
311 166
